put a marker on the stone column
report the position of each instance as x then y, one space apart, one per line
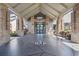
20 30
4 24
60 25
47 23
47 19
32 25
75 24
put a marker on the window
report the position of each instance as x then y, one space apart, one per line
67 21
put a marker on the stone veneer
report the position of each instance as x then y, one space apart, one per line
4 24
60 24
20 30
75 24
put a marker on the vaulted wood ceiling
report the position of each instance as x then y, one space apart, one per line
51 9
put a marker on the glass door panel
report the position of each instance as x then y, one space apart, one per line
40 28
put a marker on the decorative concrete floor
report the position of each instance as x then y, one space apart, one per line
28 46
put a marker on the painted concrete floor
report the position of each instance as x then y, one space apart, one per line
30 45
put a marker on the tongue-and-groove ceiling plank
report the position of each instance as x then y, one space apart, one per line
30 9
44 12
51 9
69 5
32 12
63 5
57 6
21 7
47 13
26 8
16 5
12 4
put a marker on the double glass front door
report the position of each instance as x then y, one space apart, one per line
40 28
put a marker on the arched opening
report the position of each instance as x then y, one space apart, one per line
67 25
13 19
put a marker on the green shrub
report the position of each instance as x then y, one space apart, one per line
66 34
13 34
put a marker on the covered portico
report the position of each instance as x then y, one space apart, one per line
38 17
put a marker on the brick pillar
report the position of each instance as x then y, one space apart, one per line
20 30
4 24
60 25
75 24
